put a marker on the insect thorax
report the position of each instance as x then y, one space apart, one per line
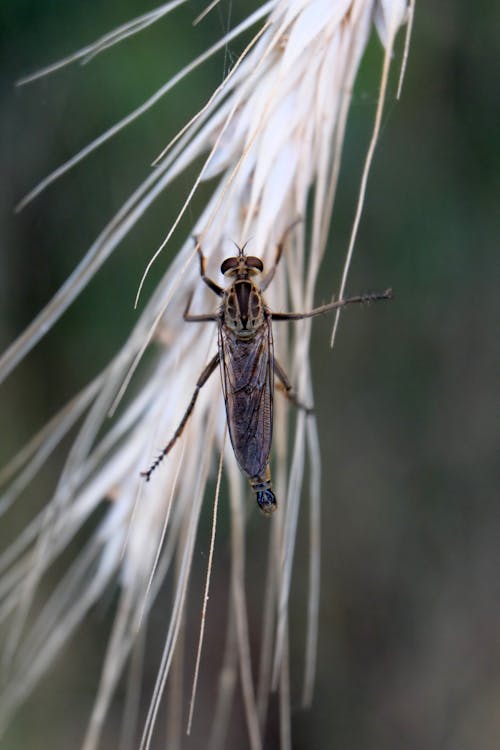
243 308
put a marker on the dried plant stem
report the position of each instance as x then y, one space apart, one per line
240 609
174 729
180 595
207 587
406 51
311 649
226 684
285 717
133 694
366 171
268 629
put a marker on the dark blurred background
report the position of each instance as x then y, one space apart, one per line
409 650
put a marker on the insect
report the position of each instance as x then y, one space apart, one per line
248 365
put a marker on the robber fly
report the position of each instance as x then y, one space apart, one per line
248 365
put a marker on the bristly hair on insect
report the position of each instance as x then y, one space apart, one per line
247 364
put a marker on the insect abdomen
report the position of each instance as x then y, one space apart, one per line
247 377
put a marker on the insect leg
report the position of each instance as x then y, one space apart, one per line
208 281
197 318
212 365
279 251
361 299
287 389
270 274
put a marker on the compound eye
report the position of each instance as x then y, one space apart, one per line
253 262
228 265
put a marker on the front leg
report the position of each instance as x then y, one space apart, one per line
197 318
219 291
279 251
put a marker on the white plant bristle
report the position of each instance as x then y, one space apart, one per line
273 134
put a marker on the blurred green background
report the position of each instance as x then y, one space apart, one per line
409 651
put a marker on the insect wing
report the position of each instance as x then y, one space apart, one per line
248 382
